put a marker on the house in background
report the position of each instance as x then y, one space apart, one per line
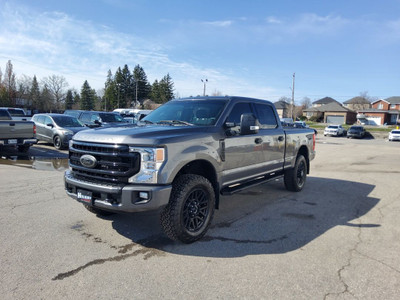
282 108
332 113
383 111
357 103
324 101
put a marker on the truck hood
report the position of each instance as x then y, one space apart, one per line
139 135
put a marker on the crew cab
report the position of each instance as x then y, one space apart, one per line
14 133
183 156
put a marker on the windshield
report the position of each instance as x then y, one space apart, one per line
111 118
396 131
187 112
357 128
333 127
66 121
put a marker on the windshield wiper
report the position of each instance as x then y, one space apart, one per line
146 121
171 122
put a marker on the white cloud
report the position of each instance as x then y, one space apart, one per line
220 23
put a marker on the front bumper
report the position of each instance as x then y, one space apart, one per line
119 198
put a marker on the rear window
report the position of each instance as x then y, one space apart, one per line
396 131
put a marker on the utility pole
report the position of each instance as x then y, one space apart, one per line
292 105
204 88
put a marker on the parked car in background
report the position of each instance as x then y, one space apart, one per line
335 130
17 113
133 119
57 129
73 112
394 135
300 124
101 118
356 131
16 133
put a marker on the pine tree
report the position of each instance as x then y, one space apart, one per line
34 95
69 100
142 86
87 97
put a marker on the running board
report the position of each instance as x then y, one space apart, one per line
238 187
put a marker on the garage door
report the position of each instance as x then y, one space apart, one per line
335 120
374 120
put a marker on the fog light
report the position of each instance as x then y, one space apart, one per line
144 195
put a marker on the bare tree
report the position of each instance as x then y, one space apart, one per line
56 87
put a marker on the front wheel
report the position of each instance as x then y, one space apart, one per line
190 209
57 142
295 178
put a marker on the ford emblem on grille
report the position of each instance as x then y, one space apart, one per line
88 161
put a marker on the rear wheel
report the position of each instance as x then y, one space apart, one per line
295 178
190 209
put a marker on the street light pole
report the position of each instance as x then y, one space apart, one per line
204 88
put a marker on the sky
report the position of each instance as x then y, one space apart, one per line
253 48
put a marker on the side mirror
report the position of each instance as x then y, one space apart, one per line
248 124
50 125
97 122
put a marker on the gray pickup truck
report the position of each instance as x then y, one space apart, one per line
13 133
183 156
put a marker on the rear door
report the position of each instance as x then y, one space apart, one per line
273 138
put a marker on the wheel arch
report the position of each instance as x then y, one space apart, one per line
203 168
304 151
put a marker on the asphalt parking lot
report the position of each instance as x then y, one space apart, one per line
337 239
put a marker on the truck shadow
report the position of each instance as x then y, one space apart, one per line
264 220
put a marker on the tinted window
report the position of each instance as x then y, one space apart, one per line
66 121
47 120
266 116
201 112
237 111
110 117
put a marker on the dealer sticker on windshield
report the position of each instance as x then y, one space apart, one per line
84 196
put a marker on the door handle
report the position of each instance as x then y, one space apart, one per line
258 140
280 138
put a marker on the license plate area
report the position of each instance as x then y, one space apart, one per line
84 196
12 141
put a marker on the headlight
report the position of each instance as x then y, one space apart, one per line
151 160
67 132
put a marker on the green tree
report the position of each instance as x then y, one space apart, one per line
88 96
69 100
142 86
47 100
110 93
125 86
9 84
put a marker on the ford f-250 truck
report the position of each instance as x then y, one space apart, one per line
183 156
13 133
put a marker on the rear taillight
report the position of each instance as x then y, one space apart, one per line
34 129
313 144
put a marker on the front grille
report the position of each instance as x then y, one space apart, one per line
115 164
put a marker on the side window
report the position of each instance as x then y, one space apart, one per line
266 116
94 117
237 111
47 120
40 119
85 117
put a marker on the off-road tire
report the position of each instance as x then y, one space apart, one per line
97 211
190 210
295 178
